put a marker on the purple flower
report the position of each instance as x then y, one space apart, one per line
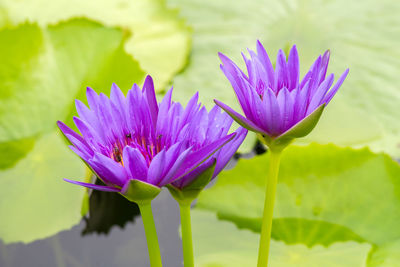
213 126
135 145
276 104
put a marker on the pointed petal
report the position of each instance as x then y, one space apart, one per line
316 100
262 54
94 186
246 123
336 87
293 68
196 158
148 88
227 151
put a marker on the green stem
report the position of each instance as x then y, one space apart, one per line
151 235
266 226
187 243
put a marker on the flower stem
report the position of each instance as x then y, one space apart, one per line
266 226
187 243
151 235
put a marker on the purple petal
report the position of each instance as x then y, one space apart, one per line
177 163
199 156
262 54
135 163
336 87
148 89
227 152
240 119
108 170
293 68
316 100
281 72
156 168
286 107
94 186
272 112
191 176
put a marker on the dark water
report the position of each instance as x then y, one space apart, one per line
100 241
112 235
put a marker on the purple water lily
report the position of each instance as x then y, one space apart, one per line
134 138
212 126
275 101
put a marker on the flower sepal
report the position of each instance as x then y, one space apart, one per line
190 192
140 192
301 129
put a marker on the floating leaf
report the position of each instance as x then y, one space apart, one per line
159 40
42 71
340 192
219 244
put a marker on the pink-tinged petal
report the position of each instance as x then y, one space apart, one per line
240 119
316 100
336 87
148 89
262 54
226 152
94 186
286 108
135 163
156 168
273 116
108 170
293 68
300 103
196 158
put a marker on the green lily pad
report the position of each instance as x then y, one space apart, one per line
159 40
35 201
342 192
43 70
385 256
361 36
219 244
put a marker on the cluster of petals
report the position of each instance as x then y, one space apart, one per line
274 100
134 137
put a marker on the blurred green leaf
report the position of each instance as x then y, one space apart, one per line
385 256
362 36
158 39
325 194
43 70
35 201
219 244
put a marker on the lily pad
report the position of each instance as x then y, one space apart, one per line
361 36
158 39
219 244
342 192
43 69
35 201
